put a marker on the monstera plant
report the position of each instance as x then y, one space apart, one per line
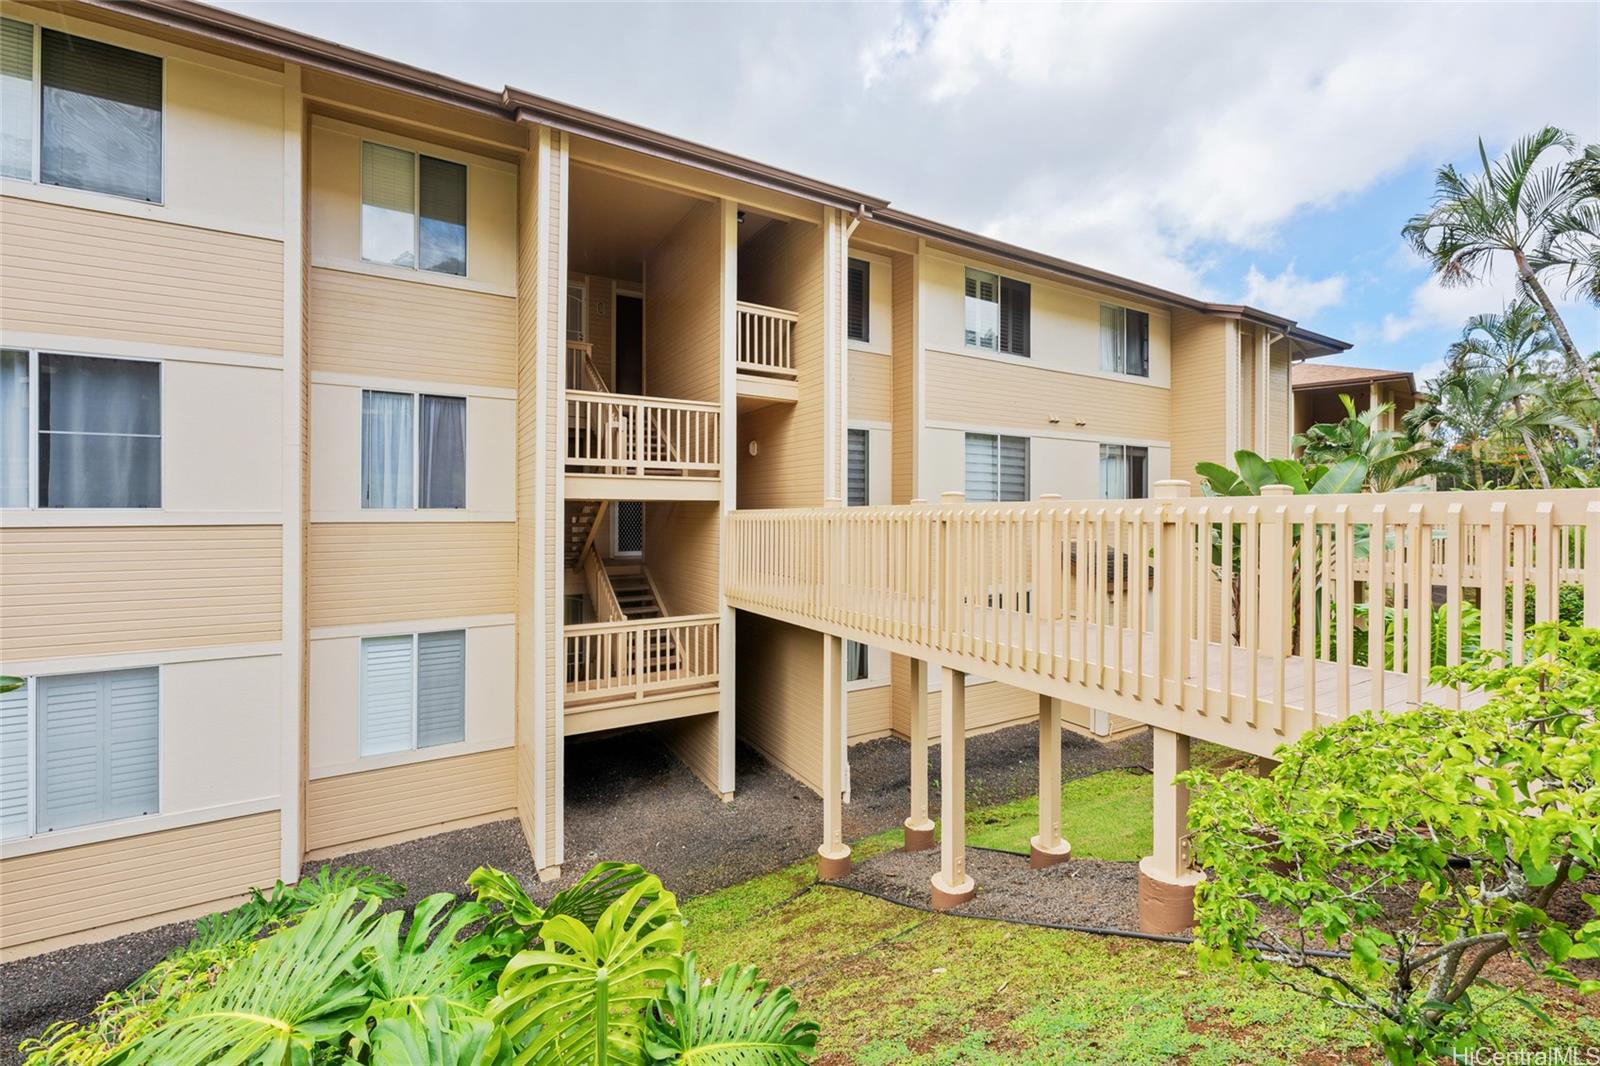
321 974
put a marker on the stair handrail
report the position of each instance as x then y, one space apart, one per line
594 529
601 592
580 356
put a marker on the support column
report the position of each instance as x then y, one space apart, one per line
919 835
1166 879
951 885
1048 848
833 857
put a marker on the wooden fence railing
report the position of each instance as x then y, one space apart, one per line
618 662
614 434
581 371
1243 619
766 340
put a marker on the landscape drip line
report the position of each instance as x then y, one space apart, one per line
1067 927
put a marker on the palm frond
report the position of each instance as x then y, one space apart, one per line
734 1021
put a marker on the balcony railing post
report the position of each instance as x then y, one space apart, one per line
1171 655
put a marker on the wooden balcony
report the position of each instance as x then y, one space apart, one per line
642 447
765 359
1228 619
628 673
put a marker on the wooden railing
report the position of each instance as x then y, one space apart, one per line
1243 620
619 662
612 434
766 340
598 584
581 371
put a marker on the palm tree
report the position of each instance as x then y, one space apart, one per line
1473 411
1575 237
1516 208
1511 343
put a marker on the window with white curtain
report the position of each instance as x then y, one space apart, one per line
413 691
413 210
996 467
413 451
79 113
80 749
79 431
1124 341
1124 472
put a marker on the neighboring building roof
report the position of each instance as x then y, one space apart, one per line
1328 375
515 104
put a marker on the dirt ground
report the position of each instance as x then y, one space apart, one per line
628 799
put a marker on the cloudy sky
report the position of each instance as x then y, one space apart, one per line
1266 153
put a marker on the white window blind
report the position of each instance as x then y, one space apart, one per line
983 309
996 467
13 428
16 99
99 432
100 117
859 290
15 785
387 679
441 688
856 479
413 691
98 757
388 205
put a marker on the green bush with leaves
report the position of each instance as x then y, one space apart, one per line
1426 844
318 974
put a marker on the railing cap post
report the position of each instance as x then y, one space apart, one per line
1276 490
919 502
1049 496
1172 489
833 501
952 499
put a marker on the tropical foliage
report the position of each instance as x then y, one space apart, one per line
1426 844
319 973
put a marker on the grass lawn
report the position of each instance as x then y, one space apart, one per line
894 985
1104 816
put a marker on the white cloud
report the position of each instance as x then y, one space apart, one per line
1433 306
1291 295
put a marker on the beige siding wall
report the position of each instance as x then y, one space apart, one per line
599 312
530 555
907 411
1280 425
75 890
342 812
985 392
682 543
95 591
391 571
1198 414
694 740
393 328
871 387
780 700
869 713
783 267
683 312
77 273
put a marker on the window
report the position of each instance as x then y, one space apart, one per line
627 528
1124 472
413 210
577 326
859 286
413 463
1124 341
78 749
997 467
413 691
997 311
94 112
79 431
856 477
856 495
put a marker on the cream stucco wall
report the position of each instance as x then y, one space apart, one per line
336 694
336 451
880 303
222 437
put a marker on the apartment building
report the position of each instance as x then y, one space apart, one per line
366 435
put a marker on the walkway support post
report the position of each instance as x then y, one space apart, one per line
951 885
1048 848
1166 878
919 835
833 857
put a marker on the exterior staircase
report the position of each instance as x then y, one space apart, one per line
583 520
636 593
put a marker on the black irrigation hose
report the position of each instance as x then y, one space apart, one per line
1068 927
